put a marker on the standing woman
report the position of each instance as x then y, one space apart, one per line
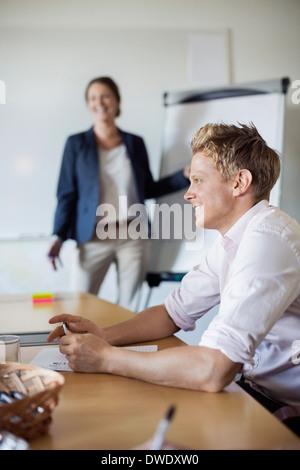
98 167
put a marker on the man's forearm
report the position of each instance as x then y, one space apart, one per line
150 324
190 367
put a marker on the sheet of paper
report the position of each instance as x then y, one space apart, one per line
149 348
52 358
209 59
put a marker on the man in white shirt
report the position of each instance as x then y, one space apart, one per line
253 272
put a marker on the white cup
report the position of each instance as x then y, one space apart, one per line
10 350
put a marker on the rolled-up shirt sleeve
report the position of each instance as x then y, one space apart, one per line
262 283
197 294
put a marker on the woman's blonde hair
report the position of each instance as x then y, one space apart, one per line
234 148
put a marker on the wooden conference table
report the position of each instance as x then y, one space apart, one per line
101 411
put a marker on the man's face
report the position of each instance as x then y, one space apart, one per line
211 196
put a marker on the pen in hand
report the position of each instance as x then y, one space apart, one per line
65 327
163 425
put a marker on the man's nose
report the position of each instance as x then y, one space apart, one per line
189 195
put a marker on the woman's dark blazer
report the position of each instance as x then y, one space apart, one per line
79 191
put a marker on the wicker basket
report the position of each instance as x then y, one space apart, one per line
30 416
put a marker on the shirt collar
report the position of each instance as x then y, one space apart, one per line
236 232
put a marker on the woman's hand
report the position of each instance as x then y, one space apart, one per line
76 324
53 253
85 352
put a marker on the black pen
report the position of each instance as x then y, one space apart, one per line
163 425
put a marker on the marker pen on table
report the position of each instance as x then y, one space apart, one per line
163 425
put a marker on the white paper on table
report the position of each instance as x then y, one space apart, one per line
149 348
52 358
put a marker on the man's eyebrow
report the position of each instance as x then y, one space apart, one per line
197 175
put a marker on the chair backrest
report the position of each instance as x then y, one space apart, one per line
290 416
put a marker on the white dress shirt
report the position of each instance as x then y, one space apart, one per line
253 272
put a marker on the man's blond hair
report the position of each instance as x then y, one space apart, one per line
233 148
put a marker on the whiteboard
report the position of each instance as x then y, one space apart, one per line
185 112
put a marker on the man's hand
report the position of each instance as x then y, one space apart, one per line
85 352
76 324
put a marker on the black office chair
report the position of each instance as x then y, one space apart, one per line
154 280
287 414
290 416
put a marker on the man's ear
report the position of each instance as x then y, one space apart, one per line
242 182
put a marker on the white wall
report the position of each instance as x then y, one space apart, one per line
45 63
